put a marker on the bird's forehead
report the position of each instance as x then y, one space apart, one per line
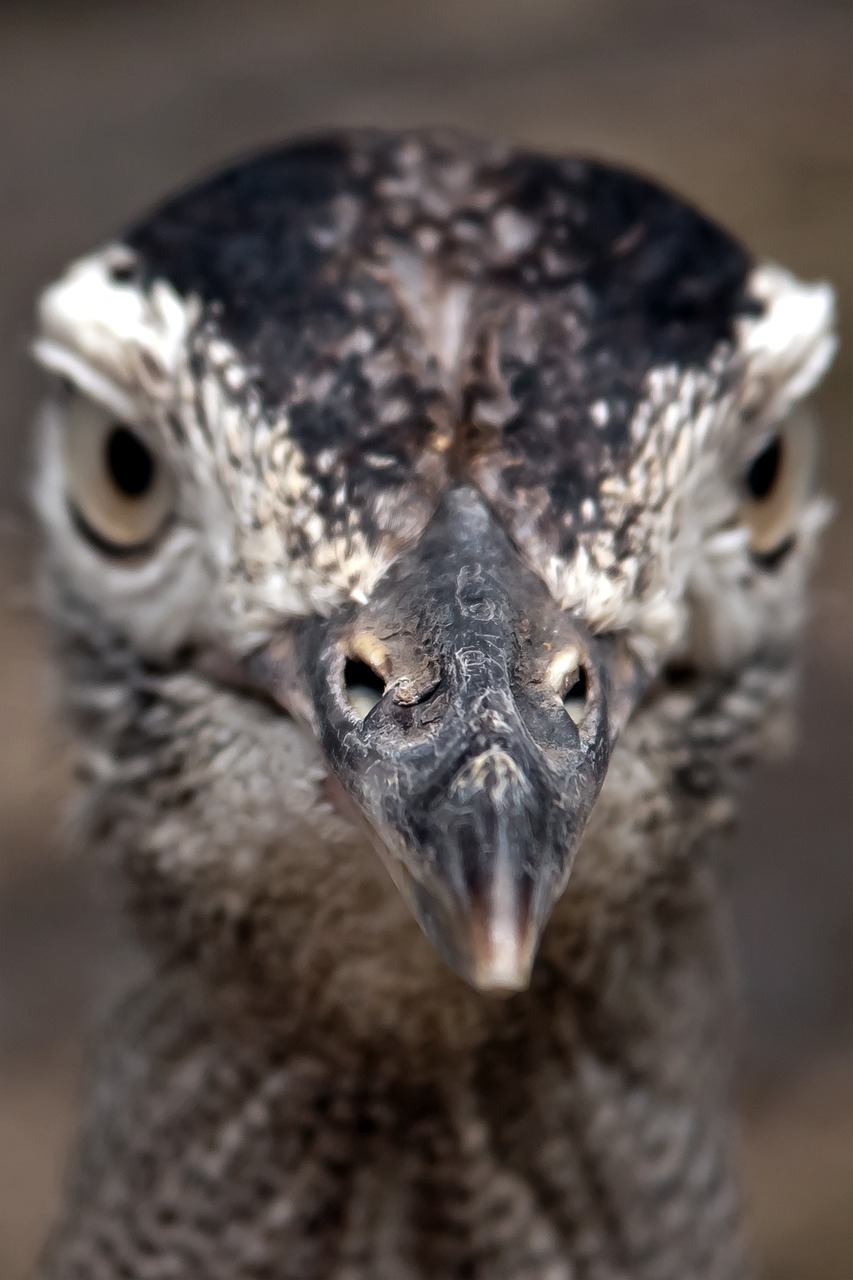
432 268
410 310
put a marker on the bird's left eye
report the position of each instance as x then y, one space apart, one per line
119 491
777 484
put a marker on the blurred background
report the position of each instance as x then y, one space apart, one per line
743 105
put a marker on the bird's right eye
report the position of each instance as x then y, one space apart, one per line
119 491
778 484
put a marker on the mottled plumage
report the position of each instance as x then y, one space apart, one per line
458 528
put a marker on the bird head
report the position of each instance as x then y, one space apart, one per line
418 494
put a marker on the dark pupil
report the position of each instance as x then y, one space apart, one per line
130 464
764 472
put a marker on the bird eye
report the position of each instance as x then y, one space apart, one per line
119 492
777 484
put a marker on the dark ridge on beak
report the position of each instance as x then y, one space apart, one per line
468 718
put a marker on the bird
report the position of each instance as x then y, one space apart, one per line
427 525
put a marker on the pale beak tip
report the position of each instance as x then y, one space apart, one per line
503 961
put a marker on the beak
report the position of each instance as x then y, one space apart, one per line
471 721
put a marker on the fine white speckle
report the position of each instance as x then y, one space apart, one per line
600 413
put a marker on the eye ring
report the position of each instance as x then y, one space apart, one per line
776 486
120 494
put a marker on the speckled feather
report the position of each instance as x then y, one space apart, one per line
332 268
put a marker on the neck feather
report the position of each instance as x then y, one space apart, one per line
577 1130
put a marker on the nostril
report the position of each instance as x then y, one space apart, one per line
575 695
567 676
366 672
363 686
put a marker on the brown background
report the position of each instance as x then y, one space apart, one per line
744 105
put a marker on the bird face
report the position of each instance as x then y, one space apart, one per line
389 483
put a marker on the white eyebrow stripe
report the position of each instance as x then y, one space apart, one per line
68 364
119 330
793 340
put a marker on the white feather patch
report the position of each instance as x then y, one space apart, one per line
791 345
104 331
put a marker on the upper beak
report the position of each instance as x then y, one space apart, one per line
440 707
